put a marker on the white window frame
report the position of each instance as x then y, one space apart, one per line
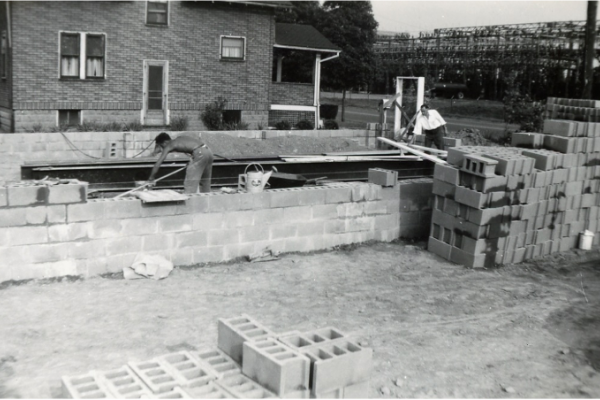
82 54
168 13
243 38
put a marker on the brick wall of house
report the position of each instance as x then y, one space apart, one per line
292 93
6 83
191 44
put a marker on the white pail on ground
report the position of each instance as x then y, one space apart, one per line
585 240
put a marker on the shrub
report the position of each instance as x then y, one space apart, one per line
235 126
179 123
330 124
112 127
212 116
520 109
36 128
283 125
89 126
134 126
305 125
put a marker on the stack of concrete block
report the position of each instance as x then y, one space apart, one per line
572 109
43 193
251 361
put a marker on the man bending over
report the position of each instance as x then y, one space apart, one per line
199 170
431 123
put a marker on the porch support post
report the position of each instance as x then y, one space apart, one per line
317 89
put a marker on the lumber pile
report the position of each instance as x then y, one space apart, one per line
501 205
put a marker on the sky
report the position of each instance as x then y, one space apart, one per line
415 16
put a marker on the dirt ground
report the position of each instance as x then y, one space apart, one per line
438 330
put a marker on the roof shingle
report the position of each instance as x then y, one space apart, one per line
304 36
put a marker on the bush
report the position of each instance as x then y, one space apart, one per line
305 125
179 123
328 111
283 125
235 126
330 124
520 109
212 116
89 126
134 126
112 127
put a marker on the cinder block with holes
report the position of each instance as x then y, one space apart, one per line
187 369
242 387
84 387
277 367
479 165
338 364
210 390
217 362
176 393
155 375
233 332
316 337
123 383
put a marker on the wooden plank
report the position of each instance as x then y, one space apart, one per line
159 196
442 153
413 151
343 159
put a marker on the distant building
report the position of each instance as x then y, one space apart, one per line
148 62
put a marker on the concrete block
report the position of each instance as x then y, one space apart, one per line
484 217
10 217
93 210
277 368
84 387
3 196
190 239
456 155
139 226
154 374
187 370
470 197
223 237
479 165
209 254
175 223
338 195
68 193
233 332
123 383
56 214
443 189
383 177
218 363
228 202
311 197
562 144
560 128
210 390
123 245
338 364
358 390
26 195
527 140
315 337
439 248
242 387
123 208
28 235
446 173
461 257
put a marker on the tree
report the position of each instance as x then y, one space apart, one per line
351 26
303 12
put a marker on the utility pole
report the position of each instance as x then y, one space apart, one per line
590 36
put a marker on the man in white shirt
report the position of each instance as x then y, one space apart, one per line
432 125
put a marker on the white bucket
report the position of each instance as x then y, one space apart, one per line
585 240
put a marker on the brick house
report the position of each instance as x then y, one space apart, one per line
150 62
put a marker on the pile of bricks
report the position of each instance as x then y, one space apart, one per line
501 205
43 193
251 361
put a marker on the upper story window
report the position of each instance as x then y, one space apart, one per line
82 55
233 48
157 12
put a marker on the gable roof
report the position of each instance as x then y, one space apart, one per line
302 37
265 3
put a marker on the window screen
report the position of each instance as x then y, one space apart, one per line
69 51
232 48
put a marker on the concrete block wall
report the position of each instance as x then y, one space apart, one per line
416 205
505 205
18 148
105 235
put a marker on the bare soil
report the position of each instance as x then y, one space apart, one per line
438 330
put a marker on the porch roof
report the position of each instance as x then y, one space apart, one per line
302 37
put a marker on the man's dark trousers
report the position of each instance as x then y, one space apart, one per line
435 136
